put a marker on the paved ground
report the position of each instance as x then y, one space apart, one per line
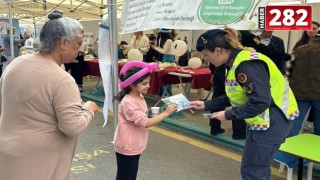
169 156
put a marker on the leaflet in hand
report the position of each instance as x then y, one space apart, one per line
179 99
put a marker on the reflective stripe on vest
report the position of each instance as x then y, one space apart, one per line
280 91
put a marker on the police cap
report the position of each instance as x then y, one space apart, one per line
205 37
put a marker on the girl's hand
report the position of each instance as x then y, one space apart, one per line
171 108
197 104
153 46
220 115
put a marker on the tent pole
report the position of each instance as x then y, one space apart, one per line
35 27
11 29
112 11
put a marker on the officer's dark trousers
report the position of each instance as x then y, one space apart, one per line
261 147
257 159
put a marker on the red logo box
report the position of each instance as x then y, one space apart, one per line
288 18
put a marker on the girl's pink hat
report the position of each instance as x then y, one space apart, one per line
147 68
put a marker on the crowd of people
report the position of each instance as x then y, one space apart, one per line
269 100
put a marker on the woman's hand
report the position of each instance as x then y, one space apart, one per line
91 105
197 104
153 46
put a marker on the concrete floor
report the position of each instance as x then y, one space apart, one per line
95 158
169 155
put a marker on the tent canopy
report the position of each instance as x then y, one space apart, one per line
35 11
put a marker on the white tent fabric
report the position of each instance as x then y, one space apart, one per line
29 11
26 10
105 68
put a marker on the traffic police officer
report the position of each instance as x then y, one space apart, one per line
258 93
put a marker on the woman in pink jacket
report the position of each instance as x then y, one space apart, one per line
131 134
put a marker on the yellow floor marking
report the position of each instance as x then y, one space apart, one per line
211 148
100 109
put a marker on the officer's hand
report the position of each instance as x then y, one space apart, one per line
220 115
197 104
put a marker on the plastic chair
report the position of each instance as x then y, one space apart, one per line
290 169
289 161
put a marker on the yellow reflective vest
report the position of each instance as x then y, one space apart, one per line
280 91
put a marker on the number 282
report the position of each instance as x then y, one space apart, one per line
288 19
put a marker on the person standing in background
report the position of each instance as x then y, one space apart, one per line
306 38
16 44
77 66
305 83
1 63
268 39
164 47
122 52
152 54
140 42
41 111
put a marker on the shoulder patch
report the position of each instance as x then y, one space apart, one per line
256 40
242 77
249 88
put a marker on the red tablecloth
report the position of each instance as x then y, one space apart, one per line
92 68
200 78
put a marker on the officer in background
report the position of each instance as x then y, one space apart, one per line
250 40
258 93
270 40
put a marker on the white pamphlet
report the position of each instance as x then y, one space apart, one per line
180 100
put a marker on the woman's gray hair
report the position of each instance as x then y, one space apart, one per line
58 27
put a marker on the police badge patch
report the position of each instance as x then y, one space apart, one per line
242 78
249 89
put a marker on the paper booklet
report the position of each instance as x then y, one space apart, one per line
180 100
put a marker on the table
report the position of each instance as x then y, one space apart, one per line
199 78
92 68
304 146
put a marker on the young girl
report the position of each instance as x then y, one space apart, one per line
131 134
